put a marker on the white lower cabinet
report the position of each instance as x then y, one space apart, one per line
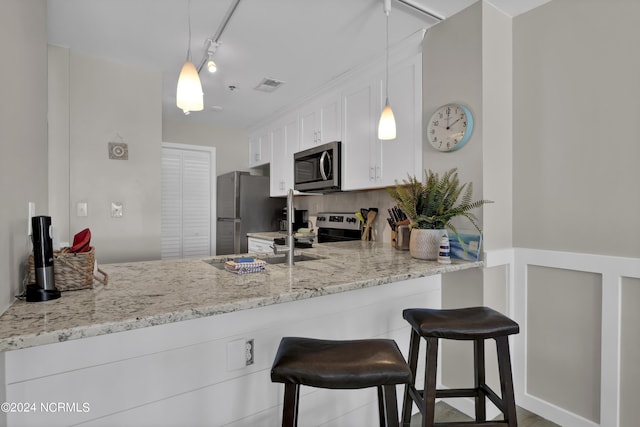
187 373
258 246
369 162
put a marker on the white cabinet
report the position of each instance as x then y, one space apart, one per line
320 121
259 148
286 141
358 138
259 246
369 162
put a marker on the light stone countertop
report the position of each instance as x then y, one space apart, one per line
148 293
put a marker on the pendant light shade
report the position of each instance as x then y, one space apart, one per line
189 93
387 123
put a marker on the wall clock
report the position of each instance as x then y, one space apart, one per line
450 127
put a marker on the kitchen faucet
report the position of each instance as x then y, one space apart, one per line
289 240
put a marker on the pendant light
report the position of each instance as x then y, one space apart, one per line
387 124
189 95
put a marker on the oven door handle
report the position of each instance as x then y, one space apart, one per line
325 155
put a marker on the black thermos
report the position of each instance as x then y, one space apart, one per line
45 288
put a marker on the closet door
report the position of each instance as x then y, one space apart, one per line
188 201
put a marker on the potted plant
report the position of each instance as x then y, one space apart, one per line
431 205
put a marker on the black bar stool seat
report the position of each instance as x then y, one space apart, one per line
332 364
471 324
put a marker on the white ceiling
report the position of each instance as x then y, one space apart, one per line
305 43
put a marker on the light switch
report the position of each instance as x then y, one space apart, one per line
32 213
82 209
116 209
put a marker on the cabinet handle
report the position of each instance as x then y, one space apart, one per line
378 172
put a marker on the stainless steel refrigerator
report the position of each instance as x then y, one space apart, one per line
244 206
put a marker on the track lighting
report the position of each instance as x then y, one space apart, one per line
211 65
211 49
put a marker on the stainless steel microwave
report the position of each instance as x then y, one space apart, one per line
318 169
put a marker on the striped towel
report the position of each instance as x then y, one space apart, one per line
254 266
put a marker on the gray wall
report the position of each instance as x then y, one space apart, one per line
232 146
23 134
106 102
575 179
575 145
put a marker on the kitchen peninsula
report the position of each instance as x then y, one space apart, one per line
96 347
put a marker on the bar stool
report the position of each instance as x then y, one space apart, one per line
340 365
475 324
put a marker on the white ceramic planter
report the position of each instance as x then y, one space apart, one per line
424 243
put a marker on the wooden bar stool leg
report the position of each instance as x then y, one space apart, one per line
430 383
382 416
506 381
388 406
290 406
480 380
407 404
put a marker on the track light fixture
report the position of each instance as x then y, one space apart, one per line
211 49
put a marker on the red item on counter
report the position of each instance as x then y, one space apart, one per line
82 241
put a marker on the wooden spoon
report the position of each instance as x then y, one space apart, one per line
367 234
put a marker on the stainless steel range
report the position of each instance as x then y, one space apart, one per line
338 227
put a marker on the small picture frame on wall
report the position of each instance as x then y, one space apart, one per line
118 151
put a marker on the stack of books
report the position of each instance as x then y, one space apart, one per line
245 265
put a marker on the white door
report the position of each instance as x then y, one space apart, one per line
188 201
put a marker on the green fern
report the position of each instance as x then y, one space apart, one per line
435 202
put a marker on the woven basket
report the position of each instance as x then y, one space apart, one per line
71 271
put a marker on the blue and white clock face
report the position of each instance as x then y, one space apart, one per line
450 127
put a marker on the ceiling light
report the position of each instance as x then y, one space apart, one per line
189 95
211 65
387 124
211 49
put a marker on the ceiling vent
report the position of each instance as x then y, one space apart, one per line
268 85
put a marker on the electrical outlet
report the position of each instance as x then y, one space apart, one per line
116 210
249 352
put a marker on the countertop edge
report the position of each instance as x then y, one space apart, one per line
62 335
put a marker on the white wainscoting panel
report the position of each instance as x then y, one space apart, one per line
613 271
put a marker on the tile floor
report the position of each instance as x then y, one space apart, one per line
446 413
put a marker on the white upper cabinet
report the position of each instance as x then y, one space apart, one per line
403 155
320 121
358 137
369 162
286 141
260 148
349 112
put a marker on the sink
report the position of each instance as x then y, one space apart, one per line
296 258
278 259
